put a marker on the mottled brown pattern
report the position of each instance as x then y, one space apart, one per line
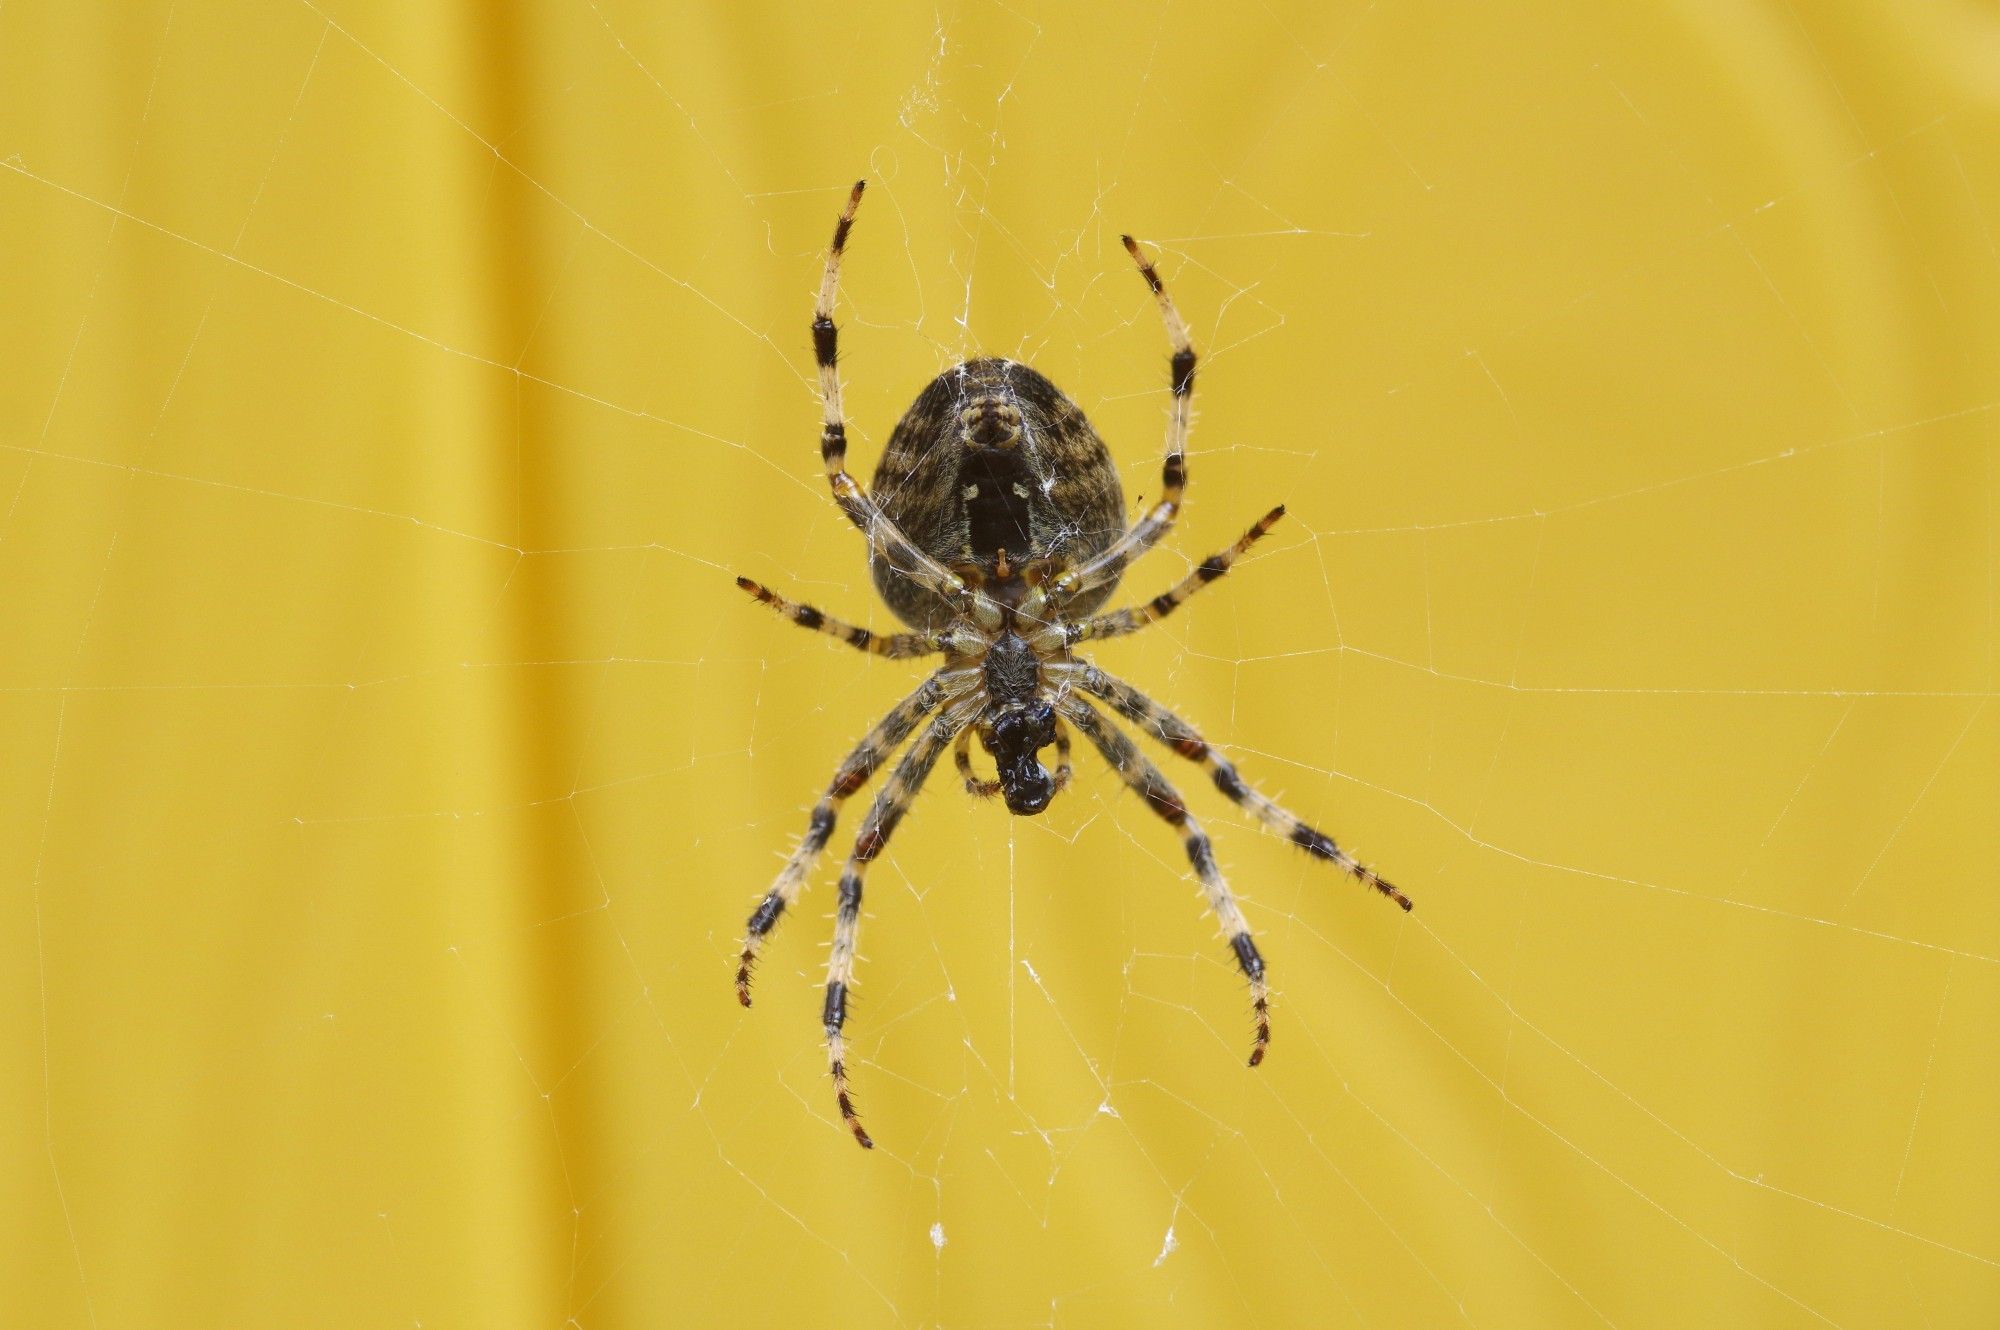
1074 508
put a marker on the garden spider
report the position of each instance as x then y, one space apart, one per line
995 531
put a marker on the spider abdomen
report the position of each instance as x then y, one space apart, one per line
994 468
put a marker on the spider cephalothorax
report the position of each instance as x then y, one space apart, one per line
995 531
1022 724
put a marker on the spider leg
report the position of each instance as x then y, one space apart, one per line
1184 739
875 748
884 536
890 804
896 646
985 789
961 754
1063 767
1146 532
1144 779
1120 622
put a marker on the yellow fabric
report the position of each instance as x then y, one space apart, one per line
391 392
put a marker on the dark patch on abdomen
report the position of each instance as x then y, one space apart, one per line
997 517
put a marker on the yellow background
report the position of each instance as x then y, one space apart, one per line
390 393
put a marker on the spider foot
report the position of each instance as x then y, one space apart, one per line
1263 1009
1145 264
1321 846
1388 889
846 1101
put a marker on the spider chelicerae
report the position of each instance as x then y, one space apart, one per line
996 532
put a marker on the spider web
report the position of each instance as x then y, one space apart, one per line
394 395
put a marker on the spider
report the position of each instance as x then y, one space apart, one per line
995 531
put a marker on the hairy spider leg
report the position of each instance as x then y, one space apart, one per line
1185 740
884 536
875 748
895 646
1120 622
1146 532
1144 779
891 802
